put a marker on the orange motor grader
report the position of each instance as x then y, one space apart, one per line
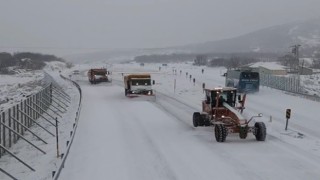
220 110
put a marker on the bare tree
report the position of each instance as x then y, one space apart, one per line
201 60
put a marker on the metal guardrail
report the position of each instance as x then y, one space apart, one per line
18 119
56 174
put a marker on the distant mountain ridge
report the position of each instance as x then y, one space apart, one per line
273 39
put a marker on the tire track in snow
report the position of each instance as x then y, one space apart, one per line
145 146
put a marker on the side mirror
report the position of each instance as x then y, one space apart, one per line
153 82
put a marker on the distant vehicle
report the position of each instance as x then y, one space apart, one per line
141 64
76 72
244 80
164 64
220 109
138 84
98 75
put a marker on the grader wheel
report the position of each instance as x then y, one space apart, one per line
220 132
243 132
196 119
261 131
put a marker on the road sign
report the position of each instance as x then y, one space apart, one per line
288 113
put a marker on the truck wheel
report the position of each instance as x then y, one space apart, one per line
261 131
220 132
196 118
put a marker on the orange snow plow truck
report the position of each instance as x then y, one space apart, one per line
138 84
98 75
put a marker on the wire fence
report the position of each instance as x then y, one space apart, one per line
15 121
46 105
289 84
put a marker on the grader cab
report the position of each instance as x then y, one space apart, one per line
221 110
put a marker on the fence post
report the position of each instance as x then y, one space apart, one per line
0 134
57 137
28 111
4 130
18 118
50 94
14 124
10 125
23 118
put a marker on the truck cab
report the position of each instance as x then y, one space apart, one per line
98 75
138 84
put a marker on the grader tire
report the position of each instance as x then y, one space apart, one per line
220 132
261 131
243 132
196 119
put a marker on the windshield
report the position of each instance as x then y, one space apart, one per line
250 75
141 82
225 96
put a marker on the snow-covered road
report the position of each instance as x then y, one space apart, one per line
121 138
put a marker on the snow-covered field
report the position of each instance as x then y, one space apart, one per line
13 88
122 138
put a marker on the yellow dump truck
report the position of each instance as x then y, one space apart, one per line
138 84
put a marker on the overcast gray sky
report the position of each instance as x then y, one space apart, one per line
139 23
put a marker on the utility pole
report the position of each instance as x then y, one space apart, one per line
295 51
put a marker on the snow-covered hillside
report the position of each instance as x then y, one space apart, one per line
273 39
